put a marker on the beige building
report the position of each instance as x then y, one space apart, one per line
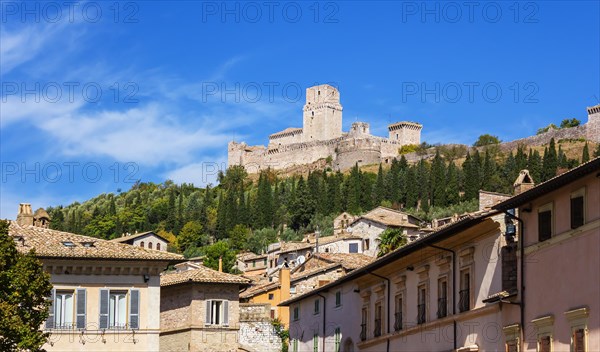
105 296
199 310
370 225
147 239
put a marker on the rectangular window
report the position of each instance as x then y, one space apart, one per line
292 289
338 298
63 310
119 309
367 243
577 211
337 339
398 313
296 314
464 302
578 340
271 296
317 306
422 305
217 312
442 298
363 324
378 322
353 247
544 344
254 263
545 223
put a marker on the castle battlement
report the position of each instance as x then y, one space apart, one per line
321 136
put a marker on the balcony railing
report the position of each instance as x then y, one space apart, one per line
398 321
377 330
363 331
421 313
464 302
442 307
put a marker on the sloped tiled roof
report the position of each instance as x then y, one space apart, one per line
136 235
58 244
388 217
201 275
254 290
348 260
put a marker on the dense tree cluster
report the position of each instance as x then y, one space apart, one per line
248 215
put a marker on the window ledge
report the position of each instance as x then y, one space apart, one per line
557 239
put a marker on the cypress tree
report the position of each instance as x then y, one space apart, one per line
171 212
562 158
585 155
379 190
534 165
354 191
550 161
452 189
438 181
412 188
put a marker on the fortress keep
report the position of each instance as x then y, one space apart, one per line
321 136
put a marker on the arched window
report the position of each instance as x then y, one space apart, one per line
158 246
149 245
142 244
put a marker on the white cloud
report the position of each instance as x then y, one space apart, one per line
146 135
200 174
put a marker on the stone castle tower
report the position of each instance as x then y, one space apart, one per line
593 124
322 114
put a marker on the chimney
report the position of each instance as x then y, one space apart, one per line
221 264
25 215
523 183
284 281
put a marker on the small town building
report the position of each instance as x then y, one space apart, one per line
148 239
199 310
105 296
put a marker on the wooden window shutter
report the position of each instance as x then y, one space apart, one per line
134 309
576 212
544 344
544 225
50 321
579 340
103 308
208 320
81 305
226 313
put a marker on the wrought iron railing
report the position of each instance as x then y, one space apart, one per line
377 330
398 321
421 313
363 331
442 307
464 302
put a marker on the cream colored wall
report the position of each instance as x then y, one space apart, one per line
144 339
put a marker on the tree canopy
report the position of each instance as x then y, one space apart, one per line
24 288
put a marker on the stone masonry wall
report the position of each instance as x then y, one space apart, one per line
256 331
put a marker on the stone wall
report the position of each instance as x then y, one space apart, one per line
256 331
593 124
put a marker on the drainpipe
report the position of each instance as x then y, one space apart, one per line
388 308
324 317
453 287
522 250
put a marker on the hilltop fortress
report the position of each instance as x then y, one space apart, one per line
321 137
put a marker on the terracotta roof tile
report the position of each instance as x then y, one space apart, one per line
200 275
387 217
136 235
59 244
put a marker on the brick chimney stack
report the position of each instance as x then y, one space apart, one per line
523 183
25 215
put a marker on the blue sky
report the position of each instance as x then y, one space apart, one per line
96 95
